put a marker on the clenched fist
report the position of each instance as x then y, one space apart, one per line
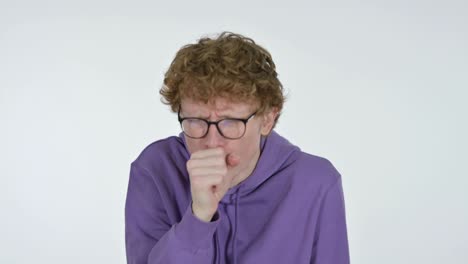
209 180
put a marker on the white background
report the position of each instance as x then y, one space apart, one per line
379 88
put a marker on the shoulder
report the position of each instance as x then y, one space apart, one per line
316 170
162 152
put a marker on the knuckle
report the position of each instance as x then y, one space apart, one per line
189 165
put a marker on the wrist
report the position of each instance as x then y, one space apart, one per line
202 215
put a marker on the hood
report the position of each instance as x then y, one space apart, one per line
276 153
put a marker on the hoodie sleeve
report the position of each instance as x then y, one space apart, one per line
331 240
149 236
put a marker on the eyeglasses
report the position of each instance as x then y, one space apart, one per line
230 128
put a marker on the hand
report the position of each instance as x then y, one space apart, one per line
209 180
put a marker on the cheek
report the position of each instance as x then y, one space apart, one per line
249 146
193 146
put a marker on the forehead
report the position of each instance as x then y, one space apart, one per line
218 106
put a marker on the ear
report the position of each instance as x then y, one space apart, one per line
268 121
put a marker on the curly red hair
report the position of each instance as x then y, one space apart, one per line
230 66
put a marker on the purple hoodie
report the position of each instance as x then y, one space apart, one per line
289 210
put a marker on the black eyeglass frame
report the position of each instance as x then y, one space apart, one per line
209 123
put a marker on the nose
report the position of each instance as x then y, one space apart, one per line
213 139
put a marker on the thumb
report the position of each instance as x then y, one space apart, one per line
232 160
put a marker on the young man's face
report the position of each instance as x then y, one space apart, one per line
247 148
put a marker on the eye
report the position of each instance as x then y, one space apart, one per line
194 123
229 123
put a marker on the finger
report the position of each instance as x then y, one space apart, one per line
207 172
205 153
217 161
206 181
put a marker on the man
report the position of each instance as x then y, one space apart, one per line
229 189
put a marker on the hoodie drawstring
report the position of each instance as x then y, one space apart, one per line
234 244
217 248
